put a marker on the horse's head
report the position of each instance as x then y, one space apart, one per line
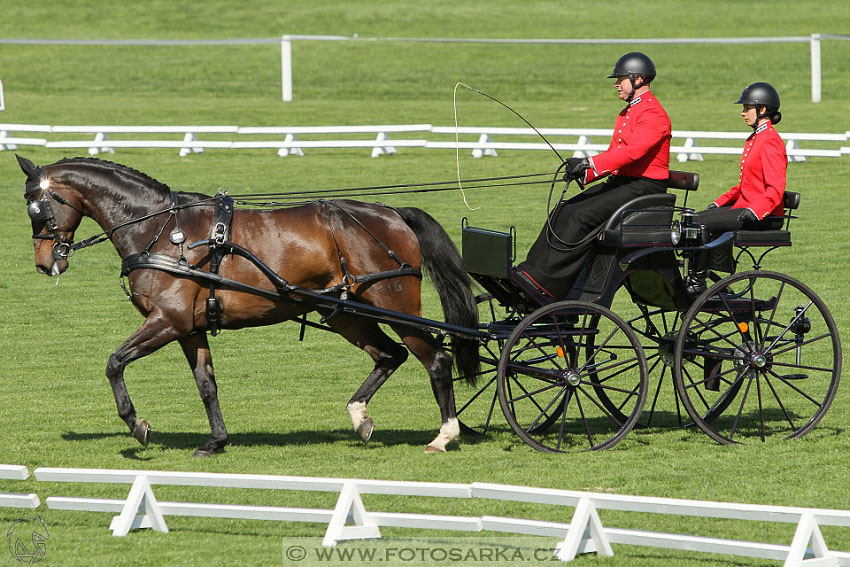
55 211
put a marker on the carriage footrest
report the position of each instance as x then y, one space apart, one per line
738 305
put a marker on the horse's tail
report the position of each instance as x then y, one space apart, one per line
444 265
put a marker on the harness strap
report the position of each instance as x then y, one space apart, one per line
388 250
222 217
343 263
283 292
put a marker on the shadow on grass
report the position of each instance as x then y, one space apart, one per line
191 441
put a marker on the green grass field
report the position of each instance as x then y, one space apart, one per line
284 400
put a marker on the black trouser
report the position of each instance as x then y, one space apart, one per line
726 219
555 260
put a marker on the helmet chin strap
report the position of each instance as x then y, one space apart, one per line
759 116
632 78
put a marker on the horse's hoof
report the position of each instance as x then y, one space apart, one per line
432 449
365 429
203 453
142 432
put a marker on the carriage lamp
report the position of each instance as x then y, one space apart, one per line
686 229
676 232
800 325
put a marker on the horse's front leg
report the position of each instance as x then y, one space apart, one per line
197 351
154 333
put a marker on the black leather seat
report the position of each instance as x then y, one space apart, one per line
644 221
772 233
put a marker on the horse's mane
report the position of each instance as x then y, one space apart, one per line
137 175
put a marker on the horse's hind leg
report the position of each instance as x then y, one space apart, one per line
197 351
154 333
438 363
387 354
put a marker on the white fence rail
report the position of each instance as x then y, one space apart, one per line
350 519
814 41
14 500
289 140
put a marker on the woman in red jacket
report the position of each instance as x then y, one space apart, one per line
758 195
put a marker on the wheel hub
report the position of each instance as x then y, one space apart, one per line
667 347
572 378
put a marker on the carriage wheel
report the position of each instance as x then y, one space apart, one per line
554 366
476 404
657 330
758 357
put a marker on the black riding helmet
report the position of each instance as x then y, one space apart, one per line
762 95
634 64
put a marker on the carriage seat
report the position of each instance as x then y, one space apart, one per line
773 233
646 220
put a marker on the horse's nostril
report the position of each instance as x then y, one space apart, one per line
42 269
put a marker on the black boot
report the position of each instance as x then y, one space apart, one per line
697 274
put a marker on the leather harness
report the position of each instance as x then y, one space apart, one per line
220 246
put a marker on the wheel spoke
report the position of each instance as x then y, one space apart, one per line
796 389
543 411
779 401
477 394
741 408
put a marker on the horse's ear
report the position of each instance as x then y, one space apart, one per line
27 166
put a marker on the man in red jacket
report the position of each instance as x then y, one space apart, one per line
759 192
635 164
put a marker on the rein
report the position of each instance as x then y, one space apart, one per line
291 198
302 197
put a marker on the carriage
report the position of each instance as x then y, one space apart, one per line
755 356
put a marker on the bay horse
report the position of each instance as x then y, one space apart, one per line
322 245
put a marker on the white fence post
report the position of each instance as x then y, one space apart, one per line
807 533
815 48
350 506
286 67
586 534
140 511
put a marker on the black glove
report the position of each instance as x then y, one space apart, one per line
711 206
575 168
748 216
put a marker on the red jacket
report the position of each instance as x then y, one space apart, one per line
762 183
640 146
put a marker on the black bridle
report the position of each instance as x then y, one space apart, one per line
41 211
